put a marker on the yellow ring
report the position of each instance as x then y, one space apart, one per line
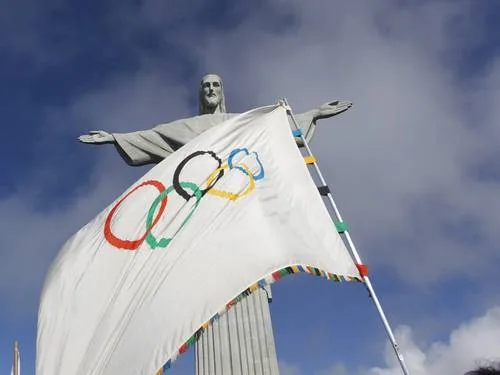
226 194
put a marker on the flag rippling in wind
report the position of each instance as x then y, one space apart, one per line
233 206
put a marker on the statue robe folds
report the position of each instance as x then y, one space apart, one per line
153 145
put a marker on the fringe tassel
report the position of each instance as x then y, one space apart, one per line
270 279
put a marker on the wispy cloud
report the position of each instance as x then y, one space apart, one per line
474 343
414 164
400 159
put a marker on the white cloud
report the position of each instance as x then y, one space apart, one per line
398 162
472 344
31 237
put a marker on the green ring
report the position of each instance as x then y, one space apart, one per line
163 242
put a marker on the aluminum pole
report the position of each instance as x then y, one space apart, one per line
352 248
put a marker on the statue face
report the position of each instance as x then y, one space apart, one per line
212 90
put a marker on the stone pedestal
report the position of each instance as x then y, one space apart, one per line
241 341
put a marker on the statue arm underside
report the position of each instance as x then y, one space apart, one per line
306 123
144 147
152 146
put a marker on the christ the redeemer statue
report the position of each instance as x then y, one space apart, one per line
153 145
241 341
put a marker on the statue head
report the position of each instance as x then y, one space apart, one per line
211 95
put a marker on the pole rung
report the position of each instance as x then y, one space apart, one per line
363 269
341 227
324 190
309 159
297 132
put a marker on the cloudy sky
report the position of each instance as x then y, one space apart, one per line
414 165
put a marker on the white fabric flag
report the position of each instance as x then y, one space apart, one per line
228 209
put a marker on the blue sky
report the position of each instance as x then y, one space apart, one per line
414 165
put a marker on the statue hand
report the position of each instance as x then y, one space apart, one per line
332 108
97 136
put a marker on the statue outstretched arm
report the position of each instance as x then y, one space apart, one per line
307 120
136 148
153 145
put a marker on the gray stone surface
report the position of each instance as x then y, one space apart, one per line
241 342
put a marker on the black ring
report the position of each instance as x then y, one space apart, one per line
175 180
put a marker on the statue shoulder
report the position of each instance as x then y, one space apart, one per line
208 118
196 124
218 117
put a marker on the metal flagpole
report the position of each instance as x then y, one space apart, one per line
361 267
15 363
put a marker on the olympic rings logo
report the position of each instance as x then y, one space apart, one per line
187 190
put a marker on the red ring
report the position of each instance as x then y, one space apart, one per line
127 244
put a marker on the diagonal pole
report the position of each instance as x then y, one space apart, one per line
351 246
